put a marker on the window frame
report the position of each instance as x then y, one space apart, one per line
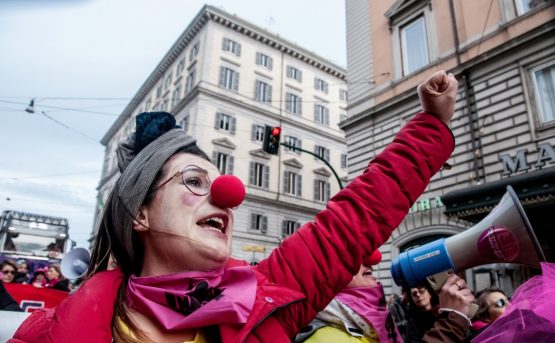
293 107
259 175
404 52
537 102
229 79
292 185
263 91
229 45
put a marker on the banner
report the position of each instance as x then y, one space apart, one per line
30 297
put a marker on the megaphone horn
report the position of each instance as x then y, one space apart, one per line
75 263
504 235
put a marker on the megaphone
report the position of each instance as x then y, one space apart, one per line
503 236
75 263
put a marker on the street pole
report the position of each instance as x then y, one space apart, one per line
318 157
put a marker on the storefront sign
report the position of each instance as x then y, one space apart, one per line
426 204
519 163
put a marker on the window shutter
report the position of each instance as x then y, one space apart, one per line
288 71
251 173
316 195
299 144
315 83
327 154
214 158
316 113
326 87
288 102
258 58
224 44
285 182
229 166
300 77
328 191
222 76
299 185
300 105
264 227
253 132
253 222
218 119
266 176
269 94
257 96
233 122
237 49
270 63
235 81
283 228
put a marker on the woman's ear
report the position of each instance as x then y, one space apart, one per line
141 221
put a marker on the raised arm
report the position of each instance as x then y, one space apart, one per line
321 257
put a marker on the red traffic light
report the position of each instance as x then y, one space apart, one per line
276 131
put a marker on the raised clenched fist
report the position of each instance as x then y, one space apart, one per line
438 94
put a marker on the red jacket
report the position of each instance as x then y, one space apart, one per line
301 276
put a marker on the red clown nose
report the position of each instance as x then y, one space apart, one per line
373 259
227 191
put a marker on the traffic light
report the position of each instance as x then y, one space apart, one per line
271 139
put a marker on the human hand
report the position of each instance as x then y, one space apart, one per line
455 295
438 94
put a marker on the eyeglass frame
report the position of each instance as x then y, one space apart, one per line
182 171
500 303
9 272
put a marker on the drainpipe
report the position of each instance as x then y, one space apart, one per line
475 140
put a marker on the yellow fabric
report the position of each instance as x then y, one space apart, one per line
199 337
329 334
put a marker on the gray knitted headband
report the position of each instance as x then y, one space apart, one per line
140 158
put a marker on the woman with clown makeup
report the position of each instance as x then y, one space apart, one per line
169 222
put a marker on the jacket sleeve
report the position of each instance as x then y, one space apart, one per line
448 328
321 257
85 316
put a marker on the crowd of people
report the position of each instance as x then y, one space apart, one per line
44 277
161 267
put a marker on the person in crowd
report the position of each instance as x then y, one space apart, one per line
39 278
55 279
22 274
423 310
492 303
170 234
9 269
7 303
398 308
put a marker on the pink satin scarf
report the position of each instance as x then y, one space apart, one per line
195 299
370 304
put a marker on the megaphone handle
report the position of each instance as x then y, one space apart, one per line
436 281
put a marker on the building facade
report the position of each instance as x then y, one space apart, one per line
503 54
225 79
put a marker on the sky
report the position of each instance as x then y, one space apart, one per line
82 61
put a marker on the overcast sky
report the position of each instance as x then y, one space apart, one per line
83 60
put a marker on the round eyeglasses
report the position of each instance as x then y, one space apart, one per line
194 178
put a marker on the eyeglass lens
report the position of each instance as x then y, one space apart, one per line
501 303
196 180
8 272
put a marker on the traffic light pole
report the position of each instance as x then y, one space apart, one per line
318 157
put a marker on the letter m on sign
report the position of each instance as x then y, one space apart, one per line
517 164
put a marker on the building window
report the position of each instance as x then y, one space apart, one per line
194 51
288 227
292 183
322 152
342 95
225 122
190 81
257 133
180 67
159 92
414 45
263 92
185 123
523 6
231 46
147 105
544 90
168 82
293 141
294 73
259 175
223 162
175 95
343 161
264 60
321 114
320 85
259 223
293 103
229 79
321 190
